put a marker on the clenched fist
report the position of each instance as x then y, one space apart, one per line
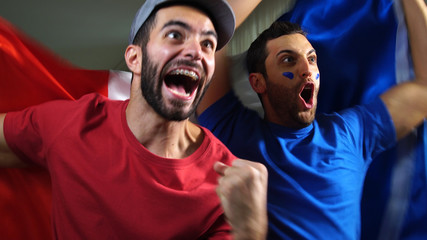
242 188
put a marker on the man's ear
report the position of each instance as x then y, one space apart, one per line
133 58
257 82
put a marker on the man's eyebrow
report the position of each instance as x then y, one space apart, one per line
311 51
211 33
177 23
187 27
284 51
290 51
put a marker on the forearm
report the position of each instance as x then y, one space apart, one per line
416 21
7 157
253 225
406 101
221 80
255 228
242 9
406 106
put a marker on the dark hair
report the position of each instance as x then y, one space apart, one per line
143 35
257 52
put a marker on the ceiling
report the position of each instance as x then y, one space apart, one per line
93 34
90 34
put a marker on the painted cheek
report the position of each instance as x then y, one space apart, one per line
288 75
317 76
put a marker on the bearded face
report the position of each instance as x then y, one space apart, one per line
174 76
289 102
292 81
178 61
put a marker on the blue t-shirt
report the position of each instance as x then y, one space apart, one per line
315 173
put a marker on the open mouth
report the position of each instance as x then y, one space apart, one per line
306 94
182 82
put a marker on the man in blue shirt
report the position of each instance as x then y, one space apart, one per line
316 166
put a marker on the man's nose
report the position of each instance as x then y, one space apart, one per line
193 49
305 70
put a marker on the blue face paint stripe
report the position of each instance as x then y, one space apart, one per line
317 76
288 75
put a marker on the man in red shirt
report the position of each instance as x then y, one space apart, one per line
139 168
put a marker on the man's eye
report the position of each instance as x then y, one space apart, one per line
174 35
288 59
208 44
312 59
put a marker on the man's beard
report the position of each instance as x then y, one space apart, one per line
285 102
152 92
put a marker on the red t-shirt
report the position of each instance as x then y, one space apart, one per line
106 185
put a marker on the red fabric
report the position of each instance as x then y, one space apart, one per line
107 185
31 74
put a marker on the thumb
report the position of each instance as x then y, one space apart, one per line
220 168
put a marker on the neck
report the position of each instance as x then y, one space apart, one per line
162 137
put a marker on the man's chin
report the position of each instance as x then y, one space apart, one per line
176 110
177 115
306 119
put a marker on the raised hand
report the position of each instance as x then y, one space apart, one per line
242 188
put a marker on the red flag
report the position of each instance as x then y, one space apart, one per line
31 74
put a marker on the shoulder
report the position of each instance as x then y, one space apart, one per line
359 114
88 102
214 145
67 111
368 124
56 105
225 111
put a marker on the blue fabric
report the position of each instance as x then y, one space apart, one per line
345 34
356 46
415 225
315 173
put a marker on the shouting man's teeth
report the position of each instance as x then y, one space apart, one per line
182 82
187 73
